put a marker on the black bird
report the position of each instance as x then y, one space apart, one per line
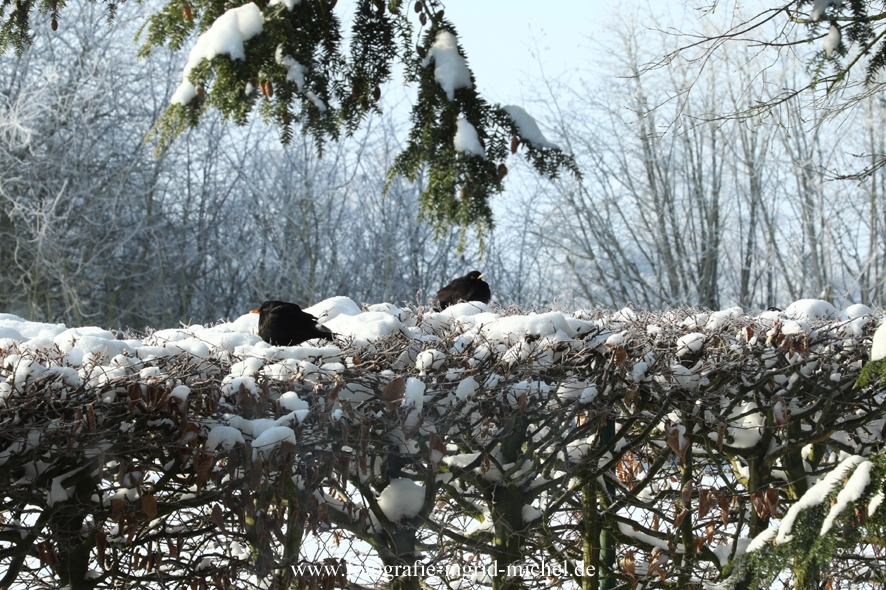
285 324
470 287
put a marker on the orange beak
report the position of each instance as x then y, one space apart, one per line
254 311
480 277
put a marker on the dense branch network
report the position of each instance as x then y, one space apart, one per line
844 68
449 442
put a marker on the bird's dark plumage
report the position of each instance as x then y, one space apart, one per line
470 287
285 324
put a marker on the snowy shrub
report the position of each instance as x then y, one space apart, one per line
710 453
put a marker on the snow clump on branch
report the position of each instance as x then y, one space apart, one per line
450 69
225 37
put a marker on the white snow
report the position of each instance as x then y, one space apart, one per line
429 360
761 540
528 127
226 36
856 310
466 388
852 491
684 377
878 346
332 308
414 395
466 139
810 309
295 72
402 498
290 401
321 106
271 439
289 4
365 327
719 318
819 6
450 69
814 496
225 437
531 513
628 531
832 40
513 328
745 426
690 343
875 502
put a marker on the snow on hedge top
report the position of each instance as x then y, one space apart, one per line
361 328
450 69
431 341
466 139
225 37
806 309
528 127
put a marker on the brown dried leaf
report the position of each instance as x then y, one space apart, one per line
686 494
90 416
772 501
393 392
218 517
759 503
502 171
862 516
680 518
723 502
203 467
632 394
101 542
620 355
627 563
704 502
149 507
117 505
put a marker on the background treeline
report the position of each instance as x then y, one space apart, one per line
677 206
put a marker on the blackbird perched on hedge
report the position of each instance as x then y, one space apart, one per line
285 324
470 287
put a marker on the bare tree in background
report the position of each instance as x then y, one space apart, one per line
683 204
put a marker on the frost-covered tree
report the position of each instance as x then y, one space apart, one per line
288 61
681 204
841 43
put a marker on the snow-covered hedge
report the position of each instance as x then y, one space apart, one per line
657 449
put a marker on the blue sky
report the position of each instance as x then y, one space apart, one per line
506 40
